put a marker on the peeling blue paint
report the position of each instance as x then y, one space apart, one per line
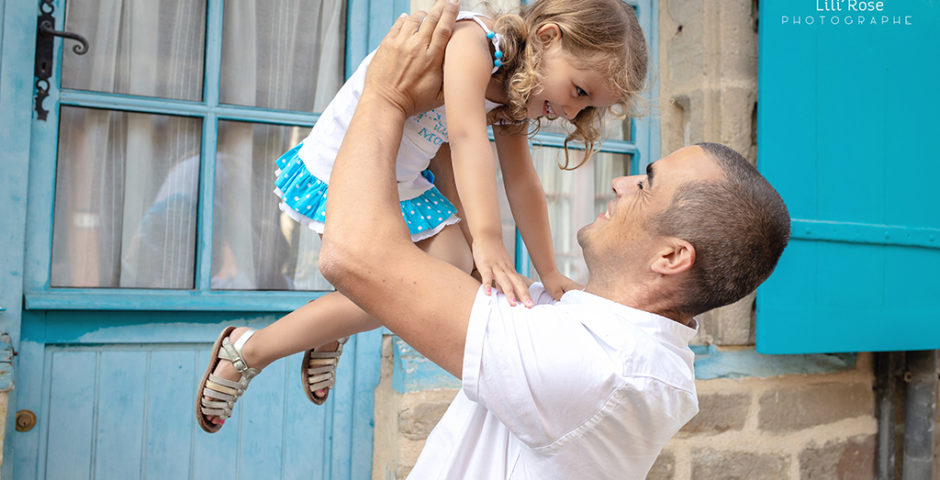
6 364
413 372
711 363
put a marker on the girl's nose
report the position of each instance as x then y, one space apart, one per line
571 111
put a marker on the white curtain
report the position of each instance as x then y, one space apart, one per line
127 183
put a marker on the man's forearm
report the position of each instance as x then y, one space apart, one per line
367 251
363 195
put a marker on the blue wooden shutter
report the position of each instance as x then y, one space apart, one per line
847 117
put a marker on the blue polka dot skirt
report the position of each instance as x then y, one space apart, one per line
303 197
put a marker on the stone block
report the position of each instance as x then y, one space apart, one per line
732 465
664 468
417 421
681 32
718 413
729 325
847 459
786 409
737 38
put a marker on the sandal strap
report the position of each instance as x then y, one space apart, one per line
328 376
233 353
320 386
321 367
222 391
315 371
228 384
316 354
320 362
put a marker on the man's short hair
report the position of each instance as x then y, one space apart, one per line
738 226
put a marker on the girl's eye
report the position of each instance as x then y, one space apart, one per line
580 91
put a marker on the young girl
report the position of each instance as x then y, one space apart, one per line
558 58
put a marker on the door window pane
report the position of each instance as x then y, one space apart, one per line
256 246
125 201
617 127
614 127
283 54
153 48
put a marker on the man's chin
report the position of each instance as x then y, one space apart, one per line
583 234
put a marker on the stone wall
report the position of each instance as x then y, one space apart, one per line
793 426
708 92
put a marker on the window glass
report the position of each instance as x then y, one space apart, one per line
284 54
256 246
125 200
139 47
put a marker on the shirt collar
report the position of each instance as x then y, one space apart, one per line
657 325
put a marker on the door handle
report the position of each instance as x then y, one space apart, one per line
46 33
45 28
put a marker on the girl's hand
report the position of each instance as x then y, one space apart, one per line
496 267
556 284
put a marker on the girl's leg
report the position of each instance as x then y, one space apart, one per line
320 322
334 316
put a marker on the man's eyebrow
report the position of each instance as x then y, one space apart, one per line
649 174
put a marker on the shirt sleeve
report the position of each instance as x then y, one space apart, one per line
541 374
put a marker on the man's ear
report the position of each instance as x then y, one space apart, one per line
676 256
548 33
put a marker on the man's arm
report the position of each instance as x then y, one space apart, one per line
367 252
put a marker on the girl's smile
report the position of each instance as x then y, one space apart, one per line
567 87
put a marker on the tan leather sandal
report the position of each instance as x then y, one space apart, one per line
223 392
318 371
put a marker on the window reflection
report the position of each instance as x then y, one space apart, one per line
125 205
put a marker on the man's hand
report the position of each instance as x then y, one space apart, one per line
406 71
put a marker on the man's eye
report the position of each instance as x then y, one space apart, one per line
639 185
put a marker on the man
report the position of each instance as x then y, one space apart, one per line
589 387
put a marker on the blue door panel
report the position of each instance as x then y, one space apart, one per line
71 417
166 455
846 134
112 404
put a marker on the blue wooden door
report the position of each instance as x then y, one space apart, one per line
847 125
114 394
177 125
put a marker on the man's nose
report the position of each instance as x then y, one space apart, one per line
618 184
621 185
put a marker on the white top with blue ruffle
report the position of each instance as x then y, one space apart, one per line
422 136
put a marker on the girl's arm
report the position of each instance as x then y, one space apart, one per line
529 209
467 70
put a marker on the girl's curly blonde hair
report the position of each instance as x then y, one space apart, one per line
601 34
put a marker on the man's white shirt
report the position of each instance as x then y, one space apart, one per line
580 388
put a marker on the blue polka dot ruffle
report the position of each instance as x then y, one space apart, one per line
305 196
299 189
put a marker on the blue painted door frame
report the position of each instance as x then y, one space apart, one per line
17 44
129 356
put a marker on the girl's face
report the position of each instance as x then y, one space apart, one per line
566 87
